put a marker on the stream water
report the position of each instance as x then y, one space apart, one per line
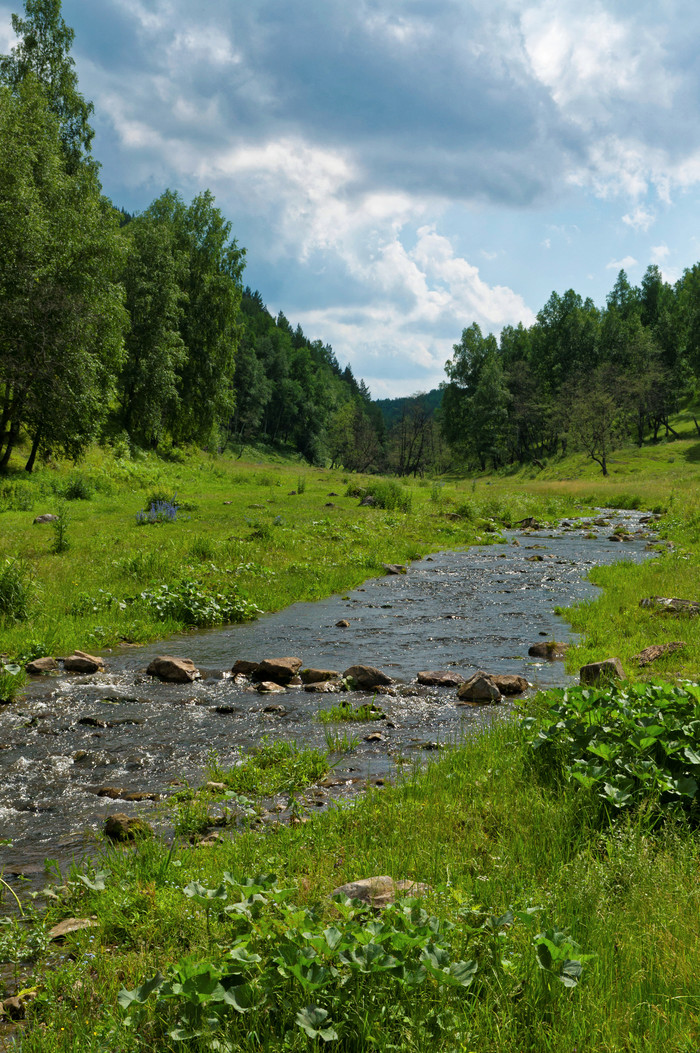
479 608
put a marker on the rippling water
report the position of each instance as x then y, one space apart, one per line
475 609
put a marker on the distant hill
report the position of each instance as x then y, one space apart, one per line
391 409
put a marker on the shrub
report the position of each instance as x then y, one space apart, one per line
77 488
390 495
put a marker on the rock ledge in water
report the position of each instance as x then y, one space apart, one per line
479 689
367 677
81 662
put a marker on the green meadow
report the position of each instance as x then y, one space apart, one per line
559 849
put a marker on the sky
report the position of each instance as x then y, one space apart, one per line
400 169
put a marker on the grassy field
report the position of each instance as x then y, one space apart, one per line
560 917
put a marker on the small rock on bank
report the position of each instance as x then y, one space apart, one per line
382 891
601 673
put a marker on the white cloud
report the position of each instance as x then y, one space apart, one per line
621 265
659 253
639 218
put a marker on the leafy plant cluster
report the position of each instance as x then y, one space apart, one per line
192 603
345 712
12 679
285 968
627 744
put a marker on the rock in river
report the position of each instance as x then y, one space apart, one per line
367 677
551 649
509 684
80 662
316 676
41 665
173 670
440 678
479 689
278 670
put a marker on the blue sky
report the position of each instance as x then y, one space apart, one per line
398 169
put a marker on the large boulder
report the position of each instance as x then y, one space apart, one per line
478 690
278 670
47 517
382 891
509 683
316 676
601 673
367 677
81 662
440 678
173 670
41 665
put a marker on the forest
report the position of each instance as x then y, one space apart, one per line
139 331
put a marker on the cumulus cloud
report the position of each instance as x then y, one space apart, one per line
621 265
640 218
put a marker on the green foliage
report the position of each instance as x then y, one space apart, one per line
192 603
628 744
287 965
76 488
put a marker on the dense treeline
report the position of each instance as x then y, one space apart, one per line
139 326
580 377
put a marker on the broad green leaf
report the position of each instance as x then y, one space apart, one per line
140 994
311 1020
98 885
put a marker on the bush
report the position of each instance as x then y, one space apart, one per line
390 495
77 488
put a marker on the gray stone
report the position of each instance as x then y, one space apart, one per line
324 687
173 670
47 517
478 690
394 568
342 624
601 673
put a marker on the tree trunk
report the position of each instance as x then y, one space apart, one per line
35 447
11 440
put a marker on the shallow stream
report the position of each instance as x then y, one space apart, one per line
480 608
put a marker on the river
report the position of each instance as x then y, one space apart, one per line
479 608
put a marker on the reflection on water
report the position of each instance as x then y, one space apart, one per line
476 609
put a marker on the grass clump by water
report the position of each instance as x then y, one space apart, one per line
345 712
